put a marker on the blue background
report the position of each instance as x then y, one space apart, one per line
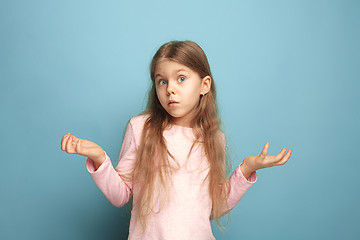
287 72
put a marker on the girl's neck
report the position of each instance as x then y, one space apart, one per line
185 121
179 123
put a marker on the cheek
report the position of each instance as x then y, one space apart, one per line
157 92
160 95
194 93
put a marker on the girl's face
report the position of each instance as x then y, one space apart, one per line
178 89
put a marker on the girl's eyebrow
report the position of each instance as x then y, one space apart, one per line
180 70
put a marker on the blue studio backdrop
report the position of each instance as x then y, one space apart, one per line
286 72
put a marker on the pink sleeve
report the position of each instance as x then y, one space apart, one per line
108 178
239 185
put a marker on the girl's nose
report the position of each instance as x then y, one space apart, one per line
170 90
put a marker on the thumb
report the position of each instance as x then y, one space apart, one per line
265 149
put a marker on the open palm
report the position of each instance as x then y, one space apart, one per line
264 161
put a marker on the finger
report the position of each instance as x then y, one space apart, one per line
69 147
265 150
78 146
75 139
285 158
280 155
64 140
65 135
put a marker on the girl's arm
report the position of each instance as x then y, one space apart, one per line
98 163
109 182
109 179
245 175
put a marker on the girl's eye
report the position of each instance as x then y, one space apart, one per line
162 82
181 79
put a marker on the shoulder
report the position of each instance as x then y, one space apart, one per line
139 119
136 123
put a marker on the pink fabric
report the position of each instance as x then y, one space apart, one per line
187 216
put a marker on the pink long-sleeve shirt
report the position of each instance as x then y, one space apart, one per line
187 214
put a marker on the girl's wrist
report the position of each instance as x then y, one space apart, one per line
246 169
102 157
98 162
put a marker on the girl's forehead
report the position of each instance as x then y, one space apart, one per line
166 66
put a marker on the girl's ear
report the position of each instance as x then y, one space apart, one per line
205 85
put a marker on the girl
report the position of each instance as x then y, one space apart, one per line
172 160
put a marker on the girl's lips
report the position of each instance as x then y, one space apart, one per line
172 103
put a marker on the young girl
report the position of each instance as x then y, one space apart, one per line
172 160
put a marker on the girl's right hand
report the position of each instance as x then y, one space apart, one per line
74 145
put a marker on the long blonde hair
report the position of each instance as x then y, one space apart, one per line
206 128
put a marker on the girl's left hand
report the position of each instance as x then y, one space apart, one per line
254 163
